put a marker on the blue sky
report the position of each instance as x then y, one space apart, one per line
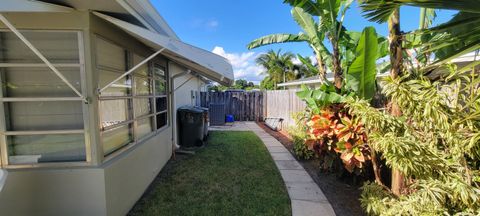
226 27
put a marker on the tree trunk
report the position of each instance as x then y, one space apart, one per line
395 36
376 168
337 67
396 60
321 68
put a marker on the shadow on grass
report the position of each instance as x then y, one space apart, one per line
233 175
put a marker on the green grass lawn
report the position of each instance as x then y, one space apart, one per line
233 175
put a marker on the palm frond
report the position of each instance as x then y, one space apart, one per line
277 38
380 10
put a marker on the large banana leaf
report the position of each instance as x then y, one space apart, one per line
306 22
362 72
380 10
307 64
277 38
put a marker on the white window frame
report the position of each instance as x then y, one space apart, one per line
132 118
4 133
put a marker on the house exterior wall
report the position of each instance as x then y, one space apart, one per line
183 87
109 186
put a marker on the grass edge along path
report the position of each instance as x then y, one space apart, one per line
233 175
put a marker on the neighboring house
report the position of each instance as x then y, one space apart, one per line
314 81
79 135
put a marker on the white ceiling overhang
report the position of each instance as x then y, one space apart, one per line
207 64
30 6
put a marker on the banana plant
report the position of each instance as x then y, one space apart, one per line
360 79
313 34
361 75
331 13
457 37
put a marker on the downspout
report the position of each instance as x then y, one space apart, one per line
172 90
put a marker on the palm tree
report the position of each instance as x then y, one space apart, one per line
278 66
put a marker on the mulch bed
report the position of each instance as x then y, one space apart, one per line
342 192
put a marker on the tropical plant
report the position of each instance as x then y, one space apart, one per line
298 133
447 41
278 66
334 130
312 33
267 84
307 68
436 145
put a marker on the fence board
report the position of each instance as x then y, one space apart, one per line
244 106
255 106
282 104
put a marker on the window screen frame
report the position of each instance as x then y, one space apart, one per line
4 162
131 97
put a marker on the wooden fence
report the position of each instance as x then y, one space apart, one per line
282 104
244 106
255 106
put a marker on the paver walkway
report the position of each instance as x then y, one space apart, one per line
306 197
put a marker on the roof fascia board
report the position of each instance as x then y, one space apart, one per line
31 6
134 13
146 8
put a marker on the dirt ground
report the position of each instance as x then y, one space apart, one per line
342 192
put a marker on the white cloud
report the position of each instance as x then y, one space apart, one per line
205 24
244 66
212 23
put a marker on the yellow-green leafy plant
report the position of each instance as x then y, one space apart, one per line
435 145
299 135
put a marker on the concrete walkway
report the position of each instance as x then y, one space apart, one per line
306 197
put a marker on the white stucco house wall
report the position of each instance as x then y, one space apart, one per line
89 94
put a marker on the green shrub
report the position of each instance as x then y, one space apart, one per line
298 134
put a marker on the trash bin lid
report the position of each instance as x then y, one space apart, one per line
201 108
190 109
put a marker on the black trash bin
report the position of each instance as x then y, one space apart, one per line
191 126
206 121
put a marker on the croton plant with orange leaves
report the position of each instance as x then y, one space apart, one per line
334 130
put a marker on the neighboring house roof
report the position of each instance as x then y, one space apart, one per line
470 57
306 81
140 19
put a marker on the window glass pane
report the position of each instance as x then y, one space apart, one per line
161 120
110 55
160 87
142 70
144 127
159 71
143 86
33 149
123 87
143 106
114 111
161 104
57 47
39 82
52 115
116 138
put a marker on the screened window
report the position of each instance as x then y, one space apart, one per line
129 108
161 99
43 116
